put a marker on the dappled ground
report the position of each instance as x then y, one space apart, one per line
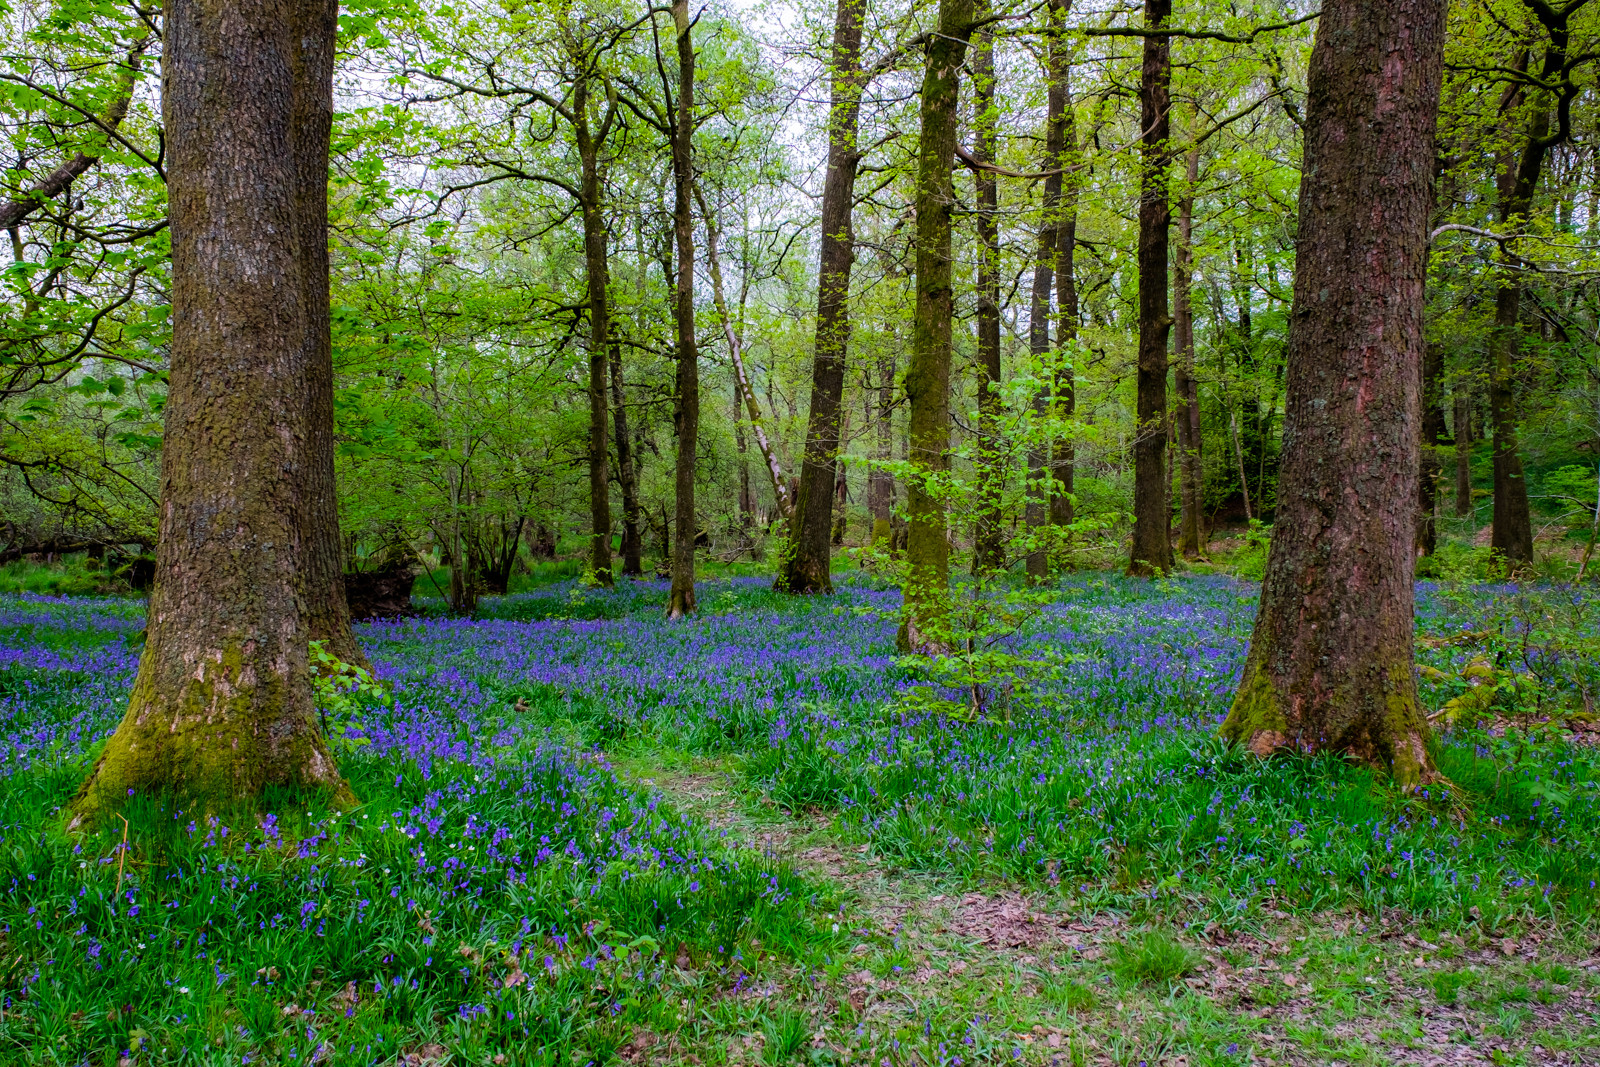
589 834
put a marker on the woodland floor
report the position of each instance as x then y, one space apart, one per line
1032 975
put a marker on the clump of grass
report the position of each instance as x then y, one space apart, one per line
1070 995
1152 958
1447 985
786 1031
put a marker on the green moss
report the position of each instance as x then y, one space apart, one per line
1256 710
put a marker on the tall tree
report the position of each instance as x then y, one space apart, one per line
1046 260
922 625
1151 550
988 554
1191 537
1554 87
685 527
805 564
327 611
1063 387
1432 425
1330 663
222 707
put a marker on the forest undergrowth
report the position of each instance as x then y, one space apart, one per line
588 834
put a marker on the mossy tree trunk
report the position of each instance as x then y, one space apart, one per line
922 626
880 483
1330 664
1039 498
327 610
597 275
1064 390
806 562
632 547
1151 550
681 599
222 708
988 553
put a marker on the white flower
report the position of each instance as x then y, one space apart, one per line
183 989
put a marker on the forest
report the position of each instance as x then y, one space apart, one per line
922 532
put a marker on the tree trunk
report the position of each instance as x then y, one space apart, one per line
1330 664
922 625
627 474
1433 431
804 565
988 554
1039 497
1064 386
1151 551
222 708
1191 538
681 601
327 610
597 277
1464 441
880 483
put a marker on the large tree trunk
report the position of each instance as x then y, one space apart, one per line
1036 510
988 554
327 609
1433 432
1151 551
922 625
804 566
222 706
597 277
632 546
681 601
1330 663
1191 538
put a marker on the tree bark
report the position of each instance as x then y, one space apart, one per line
988 554
880 483
1433 431
805 564
922 625
597 276
327 610
1191 538
1063 384
632 547
1330 665
681 601
222 708
1036 510
1151 550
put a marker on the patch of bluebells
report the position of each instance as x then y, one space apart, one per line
493 878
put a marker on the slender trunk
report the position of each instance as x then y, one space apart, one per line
988 554
747 507
58 181
1151 550
627 473
841 485
1039 497
1238 455
880 484
1330 665
682 601
222 708
1464 442
597 274
1433 430
327 610
805 564
780 489
1191 538
1513 521
922 626
1063 384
